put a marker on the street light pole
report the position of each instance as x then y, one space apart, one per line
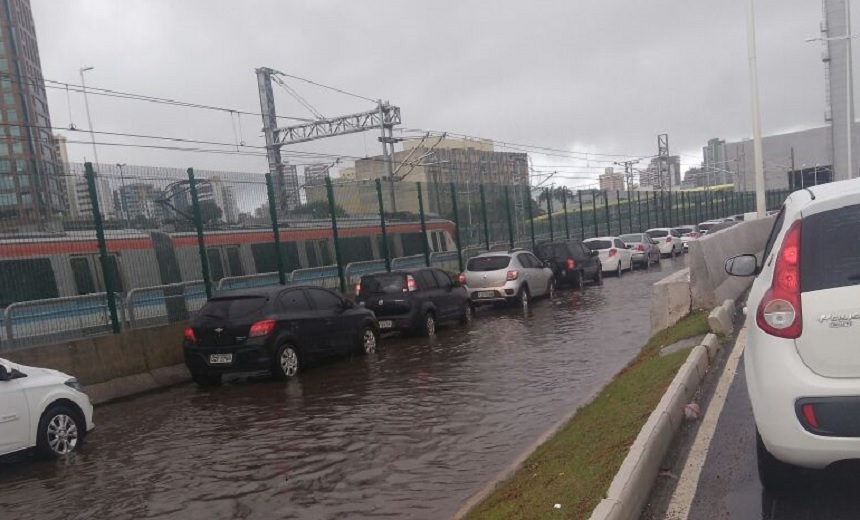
757 148
89 119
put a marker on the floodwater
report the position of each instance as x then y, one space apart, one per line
409 432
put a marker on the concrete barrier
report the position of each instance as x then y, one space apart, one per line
670 300
720 319
710 285
116 365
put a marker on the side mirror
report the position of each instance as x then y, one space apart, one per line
742 265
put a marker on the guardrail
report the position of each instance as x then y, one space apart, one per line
163 304
446 260
230 283
323 276
405 262
355 270
55 318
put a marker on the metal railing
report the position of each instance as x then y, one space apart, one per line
163 304
231 283
53 319
405 262
326 276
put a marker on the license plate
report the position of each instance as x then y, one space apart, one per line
386 324
486 294
220 359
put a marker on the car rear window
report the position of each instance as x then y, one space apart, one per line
234 309
830 249
684 230
598 244
488 263
705 227
383 284
631 239
658 233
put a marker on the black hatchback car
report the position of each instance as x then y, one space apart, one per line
274 328
414 300
571 262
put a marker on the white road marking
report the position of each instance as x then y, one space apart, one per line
682 499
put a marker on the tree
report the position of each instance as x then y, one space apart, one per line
318 209
210 212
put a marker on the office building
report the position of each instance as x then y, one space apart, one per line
661 174
31 184
611 180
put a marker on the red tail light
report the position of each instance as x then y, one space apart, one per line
809 414
571 263
189 335
512 275
640 247
357 289
779 313
691 235
613 252
262 328
668 239
462 279
411 286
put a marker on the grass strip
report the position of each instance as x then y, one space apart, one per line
575 467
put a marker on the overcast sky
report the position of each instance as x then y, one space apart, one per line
597 76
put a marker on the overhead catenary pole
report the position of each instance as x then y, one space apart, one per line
276 231
198 224
270 125
107 272
424 240
332 208
386 253
761 204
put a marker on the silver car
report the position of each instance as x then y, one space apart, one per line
513 277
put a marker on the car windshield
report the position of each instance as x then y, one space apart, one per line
235 308
594 245
631 239
658 233
488 263
382 284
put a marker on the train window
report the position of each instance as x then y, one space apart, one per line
325 254
290 254
24 280
435 237
412 243
234 262
266 261
216 266
84 281
113 270
356 249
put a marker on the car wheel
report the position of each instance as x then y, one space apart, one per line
60 430
776 476
599 278
286 362
429 327
369 340
523 297
204 379
618 271
466 316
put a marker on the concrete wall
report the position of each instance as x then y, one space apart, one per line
116 365
710 285
670 300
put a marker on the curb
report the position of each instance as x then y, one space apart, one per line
102 393
631 487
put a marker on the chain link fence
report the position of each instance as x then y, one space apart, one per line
146 248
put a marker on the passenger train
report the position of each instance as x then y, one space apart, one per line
53 265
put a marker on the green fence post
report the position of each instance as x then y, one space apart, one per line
606 211
424 240
548 193
107 272
456 225
618 208
198 223
630 210
647 210
581 215
510 219
639 209
594 213
385 252
484 214
531 216
276 231
337 254
564 205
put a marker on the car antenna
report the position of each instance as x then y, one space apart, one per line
812 195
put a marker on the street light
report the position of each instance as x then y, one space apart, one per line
122 194
89 119
760 202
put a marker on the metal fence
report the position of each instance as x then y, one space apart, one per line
163 242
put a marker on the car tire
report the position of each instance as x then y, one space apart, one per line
61 430
467 315
287 362
776 476
598 278
428 327
577 280
368 341
523 297
204 379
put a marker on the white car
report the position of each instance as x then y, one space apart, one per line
615 256
687 234
668 240
43 409
803 324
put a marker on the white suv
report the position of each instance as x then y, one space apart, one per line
42 409
802 354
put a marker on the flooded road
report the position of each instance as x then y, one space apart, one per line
409 432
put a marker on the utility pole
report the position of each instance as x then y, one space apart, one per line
387 139
628 171
760 203
663 158
270 126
